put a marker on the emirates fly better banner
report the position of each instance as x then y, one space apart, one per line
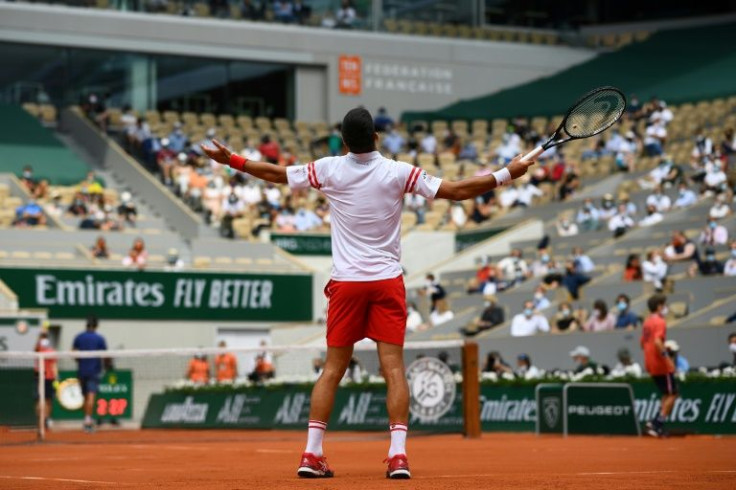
72 293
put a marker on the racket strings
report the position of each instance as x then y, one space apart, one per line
594 113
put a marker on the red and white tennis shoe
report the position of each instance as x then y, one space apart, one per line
398 467
313 466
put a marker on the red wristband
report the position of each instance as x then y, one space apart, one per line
237 162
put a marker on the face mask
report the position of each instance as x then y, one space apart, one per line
622 305
732 348
27 175
597 312
528 312
538 296
665 310
733 253
46 343
565 313
710 258
545 258
712 224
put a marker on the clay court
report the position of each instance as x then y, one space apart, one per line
267 459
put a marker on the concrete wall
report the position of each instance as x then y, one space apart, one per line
399 72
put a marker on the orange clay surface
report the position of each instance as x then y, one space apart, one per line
268 459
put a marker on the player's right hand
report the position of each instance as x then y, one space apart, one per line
517 168
220 153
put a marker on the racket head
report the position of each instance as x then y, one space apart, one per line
594 112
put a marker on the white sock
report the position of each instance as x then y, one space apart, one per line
398 439
87 419
315 434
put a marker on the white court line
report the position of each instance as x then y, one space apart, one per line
275 451
601 473
65 480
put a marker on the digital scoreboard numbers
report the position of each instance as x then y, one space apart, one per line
114 398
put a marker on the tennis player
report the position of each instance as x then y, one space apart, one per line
366 296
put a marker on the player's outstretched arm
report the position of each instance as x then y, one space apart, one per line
475 186
262 170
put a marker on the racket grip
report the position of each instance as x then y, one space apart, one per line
532 155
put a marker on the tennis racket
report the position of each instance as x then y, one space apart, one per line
592 114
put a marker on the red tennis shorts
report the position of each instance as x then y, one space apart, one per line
372 309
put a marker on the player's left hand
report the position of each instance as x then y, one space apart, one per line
220 153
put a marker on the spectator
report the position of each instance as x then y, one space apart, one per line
173 261
513 268
269 149
525 369
703 147
526 193
127 209
444 356
198 371
263 368
713 234
659 200
355 372
89 370
625 317
99 249
729 268
573 280
589 216
283 11
673 350
226 366
654 269
621 222
232 209
414 321
711 266
166 161
565 320
625 366
510 146
720 208
492 316
28 180
583 263
627 150
566 228
306 219
429 144
393 142
658 174
250 11
685 197
584 365
655 138
54 208
715 180
29 214
418 204
285 220
383 121
469 152
633 271
50 377
495 364
345 16
441 313
528 322
137 255
681 249
302 12
433 289
600 318
540 267
652 218
732 346
540 299
570 181
608 207
457 214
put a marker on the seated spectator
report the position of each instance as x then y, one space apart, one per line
475 285
621 222
658 174
628 148
283 11
569 183
249 11
526 194
302 12
173 261
416 204
28 180
584 364
492 284
540 267
720 208
713 234
528 322
54 207
306 219
729 268
566 228
468 152
166 160
29 214
492 316
269 149
285 220
232 209
345 16
509 197
99 249
444 356
393 142
264 369
137 255
703 146
711 266
510 146
654 269
495 364
685 197
588 217
433 289
626 366
573 280
625 318
681 249
655 138
525 369
673 350
457 214
441 313
600 318
566 320
414 321
652 218
513 268
383 121
608 207
715 180
540 299
429 144
127 209
632 271
583 263
659 200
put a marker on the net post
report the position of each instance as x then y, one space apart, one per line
41 396
471 391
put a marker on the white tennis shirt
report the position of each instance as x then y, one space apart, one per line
366 193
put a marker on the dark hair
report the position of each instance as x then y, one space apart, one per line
92 322
443 356
358 131
733 335
631 258
601 306
655 301
624 297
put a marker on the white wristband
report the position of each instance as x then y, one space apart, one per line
502 176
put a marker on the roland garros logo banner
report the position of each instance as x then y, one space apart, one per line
123 294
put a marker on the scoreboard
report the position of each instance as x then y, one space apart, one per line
114 398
